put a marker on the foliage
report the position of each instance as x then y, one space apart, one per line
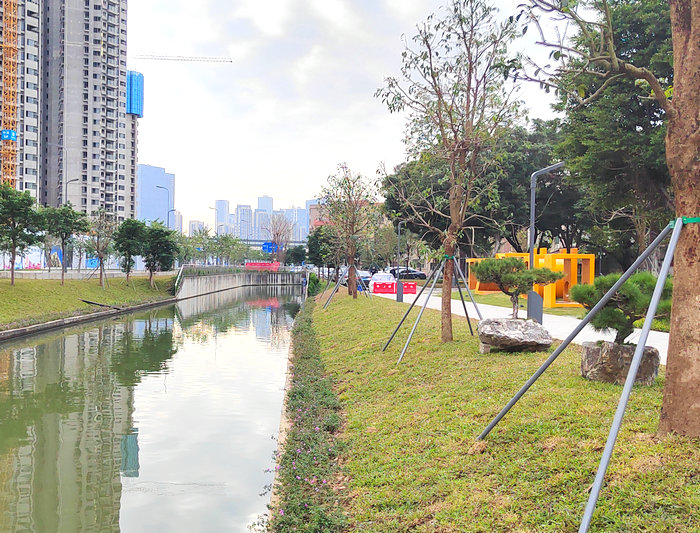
314 284
280 229
349 204
629 304
21 224
512 277
296 255
63 223
160 249
129 242
408 465
324 246
308 463
102 228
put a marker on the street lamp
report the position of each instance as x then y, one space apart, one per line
168 192
65 188
216 226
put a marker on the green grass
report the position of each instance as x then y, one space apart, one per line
410 430
36 301
501 300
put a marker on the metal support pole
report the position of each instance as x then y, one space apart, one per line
533 186
577 330
420 314
399 287
469 292
365 288
432 273
464 304
335 289
629 382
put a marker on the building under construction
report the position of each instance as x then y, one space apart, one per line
68 135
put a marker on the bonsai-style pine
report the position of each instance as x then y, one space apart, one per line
512 277
627 306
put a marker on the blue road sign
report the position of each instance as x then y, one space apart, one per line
269 247
8 135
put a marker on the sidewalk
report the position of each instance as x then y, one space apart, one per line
558 326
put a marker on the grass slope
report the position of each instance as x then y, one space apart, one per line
410 431
35 301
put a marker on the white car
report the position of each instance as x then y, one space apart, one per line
380 277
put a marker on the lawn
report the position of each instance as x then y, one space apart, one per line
501 300
409 431
35 301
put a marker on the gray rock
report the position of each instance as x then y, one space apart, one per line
610 363
512 335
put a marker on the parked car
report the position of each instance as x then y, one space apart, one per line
408 273
364 275
381 277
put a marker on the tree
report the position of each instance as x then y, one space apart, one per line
64 222
296 255
597 56
629 305
513 277
348 203
160 249
453 84
102 228
129 242
280 229
21 225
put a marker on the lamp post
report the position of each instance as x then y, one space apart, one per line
65 188
168 192
399 287
534 300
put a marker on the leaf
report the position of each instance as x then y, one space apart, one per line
581 90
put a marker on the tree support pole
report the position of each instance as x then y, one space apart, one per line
464 304
629 382
420 314
432 273
365 289
577 330
335 289
469 292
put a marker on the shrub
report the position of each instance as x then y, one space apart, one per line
630 304
512 277
314 284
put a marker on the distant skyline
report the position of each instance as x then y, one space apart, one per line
296 102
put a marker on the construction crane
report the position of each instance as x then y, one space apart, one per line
198 59
8 151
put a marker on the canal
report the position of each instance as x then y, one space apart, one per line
156 421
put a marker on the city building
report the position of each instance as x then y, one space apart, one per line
261 221
89 137
155 195
265 204
221 218
177 221
244 222
195 226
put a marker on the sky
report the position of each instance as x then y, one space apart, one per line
297 100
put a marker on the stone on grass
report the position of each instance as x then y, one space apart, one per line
512 335
610 363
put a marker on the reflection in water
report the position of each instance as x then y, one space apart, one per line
101 423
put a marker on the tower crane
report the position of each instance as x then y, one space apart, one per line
8 150
197 59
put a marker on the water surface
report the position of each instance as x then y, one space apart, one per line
156 421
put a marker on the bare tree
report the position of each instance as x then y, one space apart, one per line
102 228
348 203
452 80
280 229
583 68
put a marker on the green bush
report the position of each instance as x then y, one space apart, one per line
314 284
628 306
512 277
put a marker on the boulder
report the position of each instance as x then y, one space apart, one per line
610 363
512 335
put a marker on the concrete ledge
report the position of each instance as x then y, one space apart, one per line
73 320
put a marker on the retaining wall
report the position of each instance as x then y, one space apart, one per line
200 285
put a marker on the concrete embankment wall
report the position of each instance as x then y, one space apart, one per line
200 285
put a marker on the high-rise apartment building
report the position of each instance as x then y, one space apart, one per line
88 145
265 204
24 78
155 195
244 222
221 219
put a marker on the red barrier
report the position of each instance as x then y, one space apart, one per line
273 267
388 287
409 287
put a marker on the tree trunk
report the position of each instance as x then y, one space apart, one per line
63 262
150 278
13 257
102 268
352 273
680 412
514 300
447 274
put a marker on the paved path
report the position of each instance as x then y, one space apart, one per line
558 326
